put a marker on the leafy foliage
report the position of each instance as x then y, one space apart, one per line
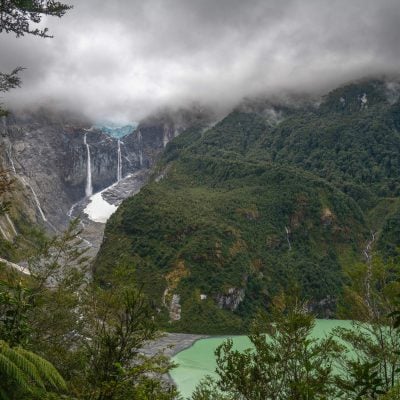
120 326
17 15
92 336
22 372
284 363
372 296
215 225
364 381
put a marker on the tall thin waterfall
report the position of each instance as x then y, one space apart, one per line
165 137
5 236
119 165
39 207
89 186
11 224
140 149
9 154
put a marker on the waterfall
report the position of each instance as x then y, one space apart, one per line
71 210
287 237
140 149
9 154
11 224
6 237
165 137
89 186
119 165
39 207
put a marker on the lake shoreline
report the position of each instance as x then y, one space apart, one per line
171 344
198 360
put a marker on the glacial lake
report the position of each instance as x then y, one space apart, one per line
198 360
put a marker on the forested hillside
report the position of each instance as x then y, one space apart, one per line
258 204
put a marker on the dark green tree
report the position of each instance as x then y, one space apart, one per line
120 324
364 383
372 297
285 363
23 373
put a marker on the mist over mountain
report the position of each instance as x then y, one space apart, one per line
123 60
174 170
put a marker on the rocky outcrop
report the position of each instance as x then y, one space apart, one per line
231 299
325 308
175 308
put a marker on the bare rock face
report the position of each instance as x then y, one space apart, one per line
175 308
231 299
47 155
325 308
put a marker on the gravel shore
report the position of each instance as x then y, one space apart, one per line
171 344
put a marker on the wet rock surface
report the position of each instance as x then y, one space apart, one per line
92 231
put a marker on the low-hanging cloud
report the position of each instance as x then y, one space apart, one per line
125 58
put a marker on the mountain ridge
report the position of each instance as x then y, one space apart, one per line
319 225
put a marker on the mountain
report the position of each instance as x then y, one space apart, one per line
57 161
273 197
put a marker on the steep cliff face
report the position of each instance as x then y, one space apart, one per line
48 155
59 160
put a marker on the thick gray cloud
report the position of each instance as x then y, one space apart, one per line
122 59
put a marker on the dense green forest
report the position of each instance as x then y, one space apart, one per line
256 224
257 204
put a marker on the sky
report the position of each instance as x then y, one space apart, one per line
124 59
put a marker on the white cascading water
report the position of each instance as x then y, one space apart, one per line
165 137
9 154
11 224
89 186
119 164
140 149
5 236
287 237
39 207
71 210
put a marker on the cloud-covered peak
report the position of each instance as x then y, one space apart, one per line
123 59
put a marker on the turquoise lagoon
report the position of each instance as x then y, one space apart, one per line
198 360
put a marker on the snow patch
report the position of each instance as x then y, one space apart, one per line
99 210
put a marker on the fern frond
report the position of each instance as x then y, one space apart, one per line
11 372
24 364
47 371
25 371
4 395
